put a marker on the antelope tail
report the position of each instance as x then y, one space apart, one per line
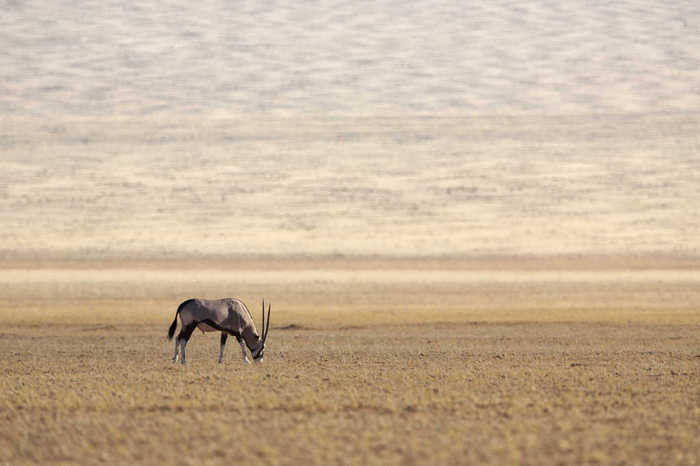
172 329
173 326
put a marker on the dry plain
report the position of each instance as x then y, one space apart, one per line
147 148
370 361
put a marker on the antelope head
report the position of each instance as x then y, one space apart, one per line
258 354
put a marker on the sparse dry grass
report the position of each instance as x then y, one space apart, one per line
526 372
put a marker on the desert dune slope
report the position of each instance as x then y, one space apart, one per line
135 58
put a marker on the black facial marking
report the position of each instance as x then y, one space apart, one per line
259 354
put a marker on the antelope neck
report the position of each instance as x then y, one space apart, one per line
252 340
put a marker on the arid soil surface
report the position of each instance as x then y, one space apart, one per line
370 361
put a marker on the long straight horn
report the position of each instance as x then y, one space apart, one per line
267 329
262 328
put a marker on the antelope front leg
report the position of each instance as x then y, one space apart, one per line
221 346
245 356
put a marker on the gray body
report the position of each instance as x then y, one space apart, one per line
230 316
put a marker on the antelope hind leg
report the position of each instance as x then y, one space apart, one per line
183 338
177 346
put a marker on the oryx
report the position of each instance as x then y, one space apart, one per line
229 316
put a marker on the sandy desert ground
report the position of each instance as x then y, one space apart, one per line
407 186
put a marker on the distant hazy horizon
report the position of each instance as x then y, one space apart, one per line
136 58
398 128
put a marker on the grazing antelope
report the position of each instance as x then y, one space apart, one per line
229 316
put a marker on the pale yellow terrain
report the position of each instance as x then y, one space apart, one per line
389 186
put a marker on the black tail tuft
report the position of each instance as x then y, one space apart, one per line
172 329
